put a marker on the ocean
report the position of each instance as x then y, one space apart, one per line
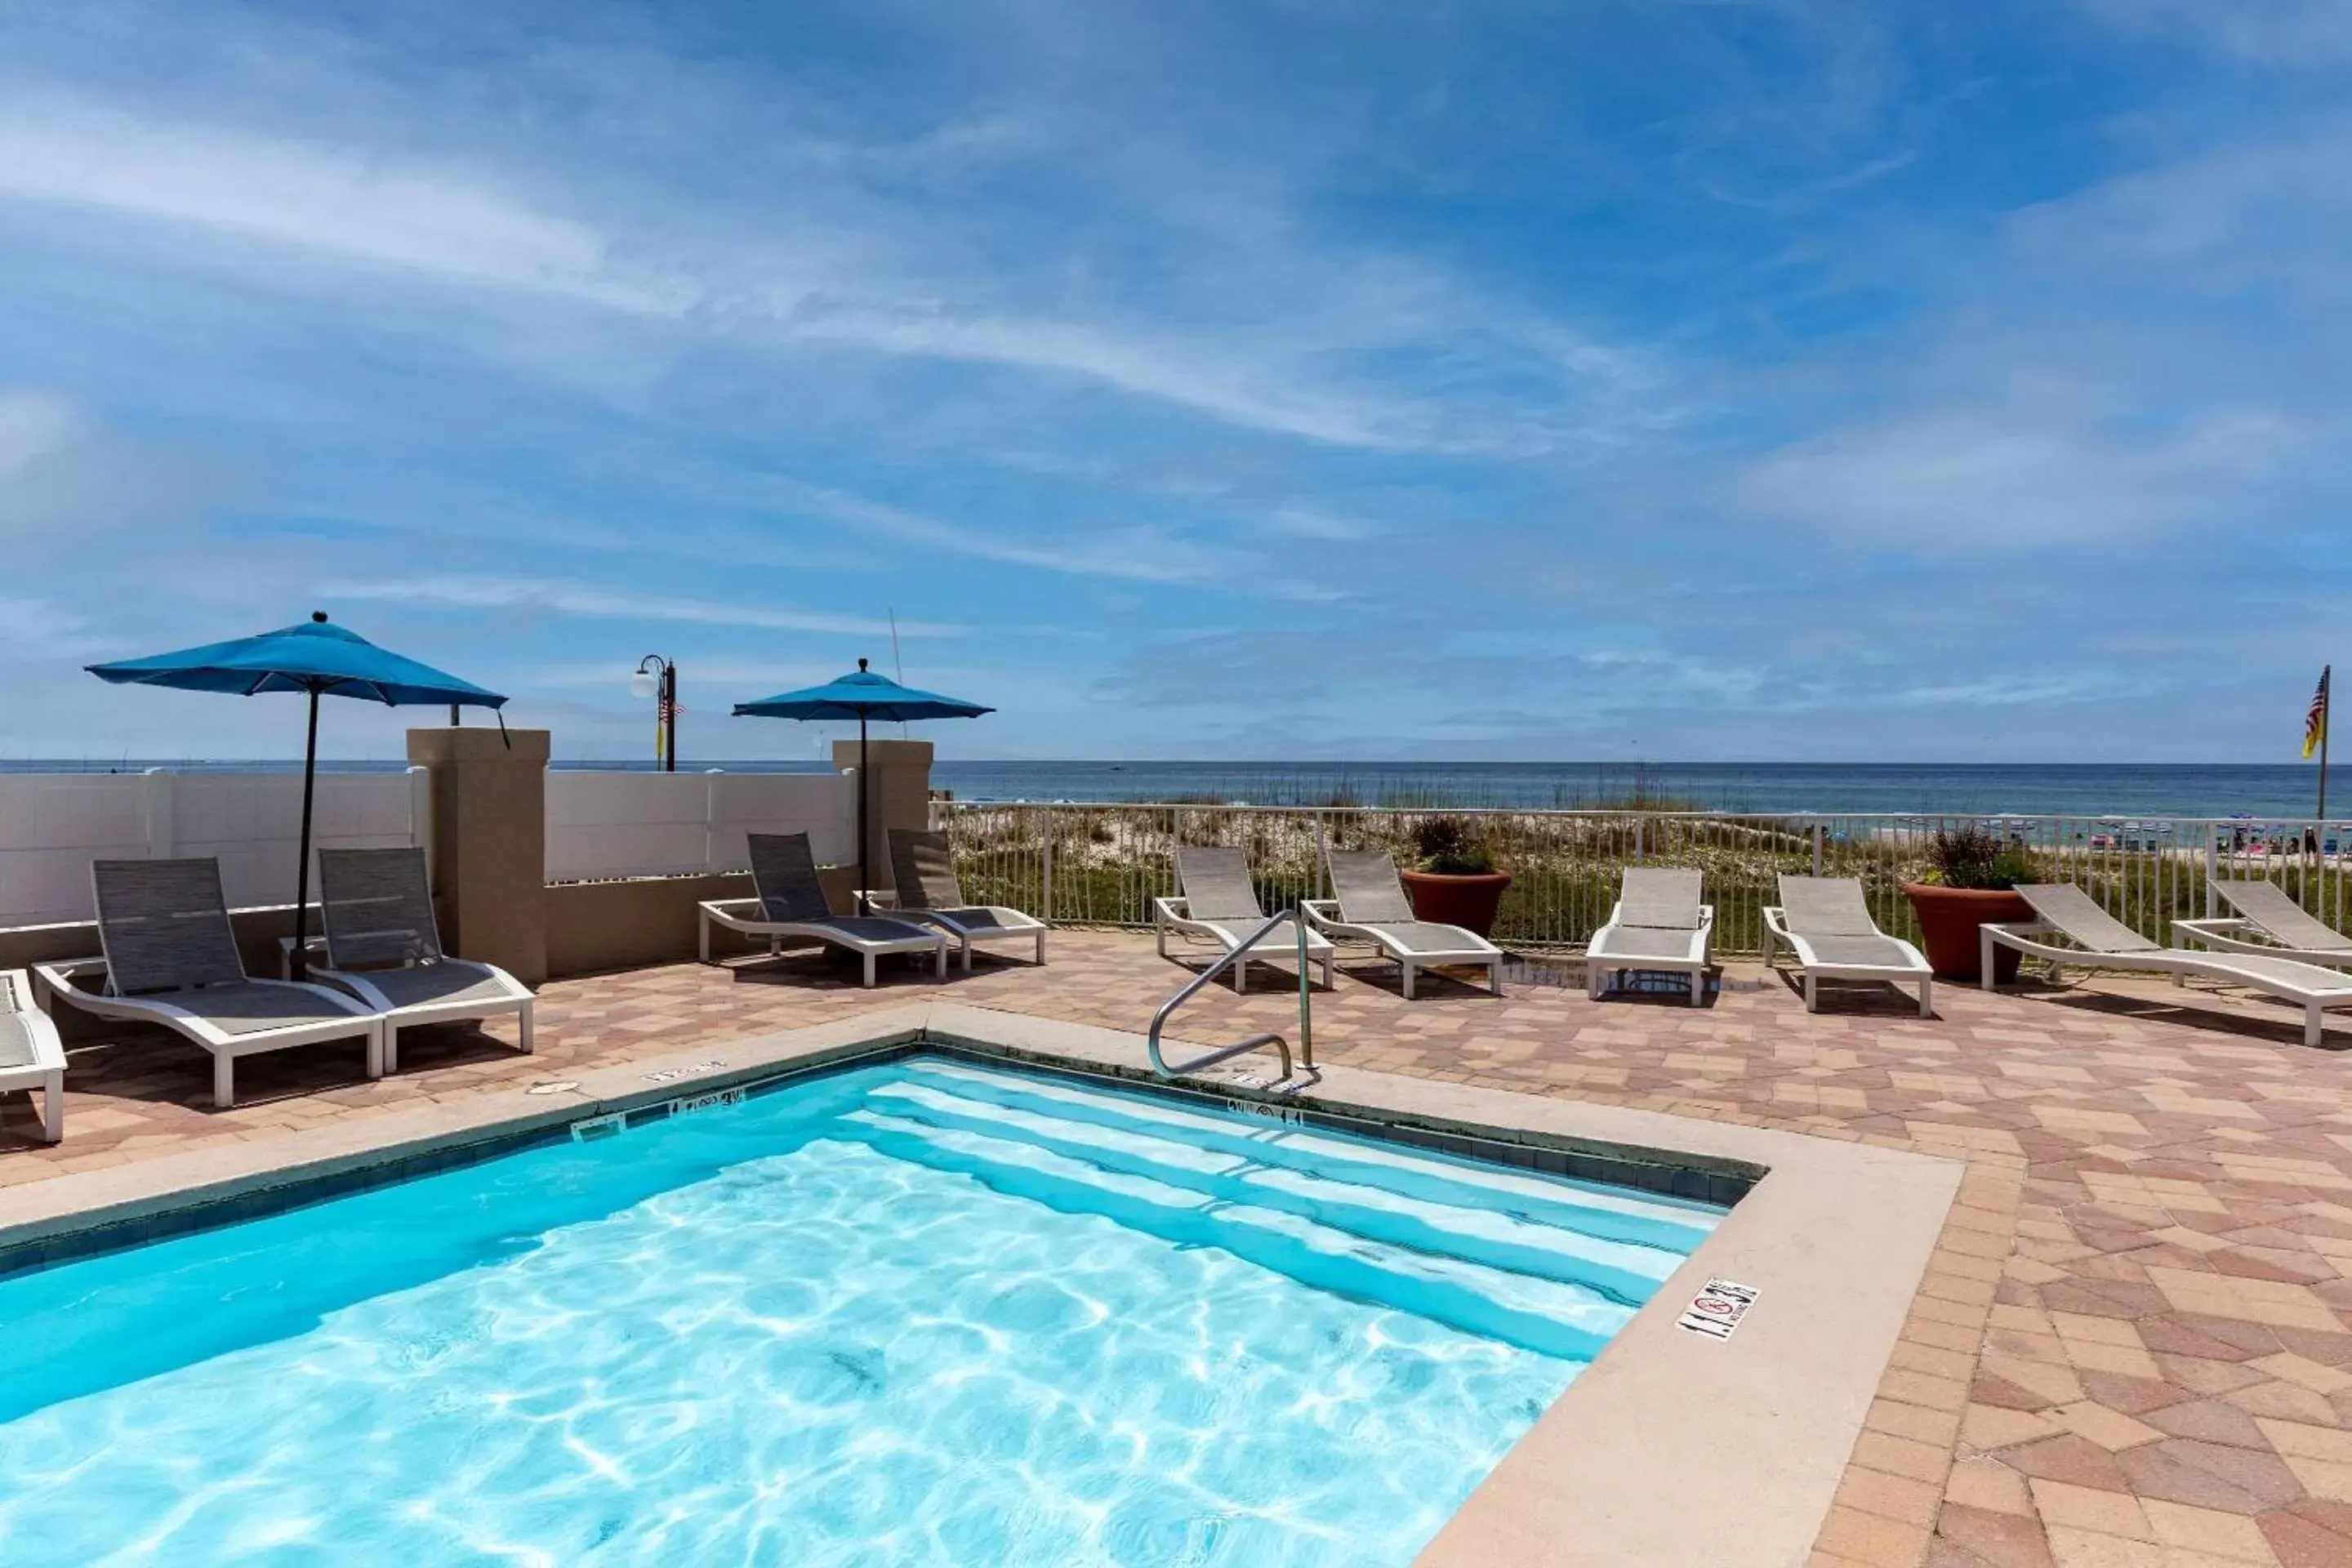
2086 789
2030 789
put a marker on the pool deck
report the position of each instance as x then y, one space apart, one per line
2132 1342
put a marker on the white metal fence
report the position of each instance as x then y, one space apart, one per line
52 826
606 824
1102 864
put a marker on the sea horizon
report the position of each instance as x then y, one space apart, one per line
2070 789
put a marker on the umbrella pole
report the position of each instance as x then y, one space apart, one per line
298 966
857 897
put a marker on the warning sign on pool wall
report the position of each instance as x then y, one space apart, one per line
1716 1309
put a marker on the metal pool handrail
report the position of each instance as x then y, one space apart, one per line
1192 988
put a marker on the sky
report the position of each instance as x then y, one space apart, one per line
1743 380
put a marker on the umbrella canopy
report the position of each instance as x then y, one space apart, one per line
314 658
863 696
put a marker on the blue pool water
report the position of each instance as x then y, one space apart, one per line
920 1312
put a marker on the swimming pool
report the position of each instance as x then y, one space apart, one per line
927 1311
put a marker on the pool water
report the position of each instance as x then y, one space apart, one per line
922 1313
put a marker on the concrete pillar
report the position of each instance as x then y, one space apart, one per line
900 793
489 843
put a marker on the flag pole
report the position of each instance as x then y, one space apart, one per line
2326 672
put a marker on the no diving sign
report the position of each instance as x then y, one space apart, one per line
1716 1309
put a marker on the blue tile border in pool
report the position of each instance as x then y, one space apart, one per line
1696 1178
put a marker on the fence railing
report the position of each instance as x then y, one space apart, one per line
1102 864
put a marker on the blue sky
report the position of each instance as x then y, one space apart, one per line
1759 379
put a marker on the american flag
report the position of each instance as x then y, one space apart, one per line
2314 723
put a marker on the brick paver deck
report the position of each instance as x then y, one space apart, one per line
2134 1345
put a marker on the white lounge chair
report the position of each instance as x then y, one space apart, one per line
31 1058
2268 924
792 907
2102 942
171 958
1658 924
1371 906
1825 921
929 891
1219 904
384 947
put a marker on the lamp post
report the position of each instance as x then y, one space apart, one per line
658 677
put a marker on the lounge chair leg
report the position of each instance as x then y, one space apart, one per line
1698 987
1326 974
706 939
53 1107
1408 980
941 974
1041 945
869 969
1160 931
1813 993
384 1051
223 1080
528 1048
1927 998
1494 976
1241 976
2311 1025
967 956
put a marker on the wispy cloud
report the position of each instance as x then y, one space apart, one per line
2312 35
577 599
338 203
63 478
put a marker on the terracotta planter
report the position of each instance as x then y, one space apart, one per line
1948 919
1468 901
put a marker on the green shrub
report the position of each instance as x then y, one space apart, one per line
1452 847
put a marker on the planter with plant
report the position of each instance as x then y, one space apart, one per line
1454 881
1967 885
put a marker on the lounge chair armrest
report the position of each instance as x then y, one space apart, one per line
1776 921
1175 909
1321 913
870 898
1706 918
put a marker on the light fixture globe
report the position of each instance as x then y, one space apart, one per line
641 683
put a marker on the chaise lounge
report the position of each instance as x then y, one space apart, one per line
2269 925
384 946
31 1058
792 905
171 958
929 891
1219 904
1658 924
1370 906
2102 942
1825 921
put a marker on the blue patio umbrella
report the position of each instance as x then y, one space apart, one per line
316 658
863 696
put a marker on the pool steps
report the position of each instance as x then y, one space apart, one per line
1551 1264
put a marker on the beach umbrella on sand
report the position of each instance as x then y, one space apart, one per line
863 696
315 658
